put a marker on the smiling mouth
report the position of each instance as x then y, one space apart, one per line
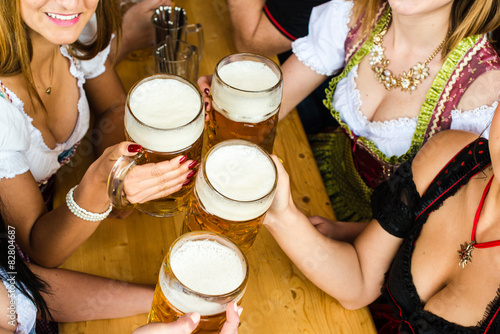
62 17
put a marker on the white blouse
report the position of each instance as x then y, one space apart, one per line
323 51
24 308
21 144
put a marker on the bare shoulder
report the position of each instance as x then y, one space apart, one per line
484 91
436 153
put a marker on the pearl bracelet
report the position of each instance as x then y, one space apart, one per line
81 212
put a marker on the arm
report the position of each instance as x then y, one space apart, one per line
252 30
351 273
298 82
107 99
49 238
76 296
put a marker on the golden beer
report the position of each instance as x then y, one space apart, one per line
177 201
246 97
233 191
202 272
164 115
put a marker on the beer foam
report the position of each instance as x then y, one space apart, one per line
244 175
248 75
163 103
251 102
207 267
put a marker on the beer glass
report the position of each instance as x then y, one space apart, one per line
177 57
163 114
246 97
202 272
173 23
233 190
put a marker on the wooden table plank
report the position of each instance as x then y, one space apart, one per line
279 299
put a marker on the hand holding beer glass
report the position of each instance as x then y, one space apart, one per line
164 115
233 191
246 96
202 272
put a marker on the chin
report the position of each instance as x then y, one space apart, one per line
62 39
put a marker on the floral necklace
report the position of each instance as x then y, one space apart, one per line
408 82
465 252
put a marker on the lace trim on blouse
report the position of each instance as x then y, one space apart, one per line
25 309
393 137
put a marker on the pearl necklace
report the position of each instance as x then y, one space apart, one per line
408 81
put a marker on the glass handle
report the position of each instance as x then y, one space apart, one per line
116 179
196 28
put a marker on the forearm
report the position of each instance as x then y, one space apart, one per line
324 261
76 296
58 233
108 128
107 99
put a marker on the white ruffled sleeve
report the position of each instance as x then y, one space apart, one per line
94 67
477 120
14 140
323 49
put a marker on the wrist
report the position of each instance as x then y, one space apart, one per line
283 218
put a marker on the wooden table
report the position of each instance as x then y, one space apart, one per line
279 298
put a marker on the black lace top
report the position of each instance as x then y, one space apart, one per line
405 219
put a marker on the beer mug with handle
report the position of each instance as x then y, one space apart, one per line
173 22
246 96
233 191
177 57
202 272
164 114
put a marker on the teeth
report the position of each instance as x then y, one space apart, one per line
62 17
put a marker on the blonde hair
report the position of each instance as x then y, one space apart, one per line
16 49
467 18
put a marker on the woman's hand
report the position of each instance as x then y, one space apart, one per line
188 322
283 198
143 182
155 180
204 83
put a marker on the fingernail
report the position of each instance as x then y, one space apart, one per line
235 307
206 105
192 164
134 148
188 181
191 174
182 159
207 91
240 310
195 317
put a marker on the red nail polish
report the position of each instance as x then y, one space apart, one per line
207 91
134 148
182 159
192 164
206 106
188 181
191 174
